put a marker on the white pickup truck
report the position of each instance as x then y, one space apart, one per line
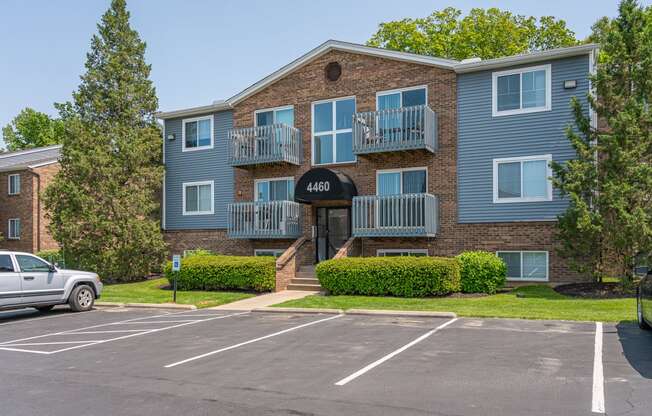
29 281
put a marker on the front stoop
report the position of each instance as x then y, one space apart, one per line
305 279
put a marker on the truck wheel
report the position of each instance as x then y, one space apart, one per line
639 313
45 308
81 299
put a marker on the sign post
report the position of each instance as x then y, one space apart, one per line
176 266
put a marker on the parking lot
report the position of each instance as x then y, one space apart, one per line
120 361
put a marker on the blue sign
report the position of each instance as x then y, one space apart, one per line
176 263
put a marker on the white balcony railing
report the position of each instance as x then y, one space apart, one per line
397 129
265 144
403 215
270 219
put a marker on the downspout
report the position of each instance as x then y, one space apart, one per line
38 209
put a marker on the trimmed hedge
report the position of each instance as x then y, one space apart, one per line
393 276
482 272
209 272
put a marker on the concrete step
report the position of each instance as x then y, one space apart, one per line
307 268
315 288
306 275
305 281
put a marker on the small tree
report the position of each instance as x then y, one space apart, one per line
103 202
31 128
484 33
609 185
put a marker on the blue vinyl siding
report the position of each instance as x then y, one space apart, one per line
482 138
200 165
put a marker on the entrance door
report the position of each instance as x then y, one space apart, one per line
333 229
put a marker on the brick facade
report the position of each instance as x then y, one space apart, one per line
28 207
363 76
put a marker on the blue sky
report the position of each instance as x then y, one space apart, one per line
204 50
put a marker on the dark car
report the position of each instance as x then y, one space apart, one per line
644 302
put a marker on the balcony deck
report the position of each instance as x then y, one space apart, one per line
404 215
392 130
276 143
263 220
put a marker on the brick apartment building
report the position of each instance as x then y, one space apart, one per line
23 177
358 151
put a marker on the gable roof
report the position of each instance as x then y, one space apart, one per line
29 158
457 66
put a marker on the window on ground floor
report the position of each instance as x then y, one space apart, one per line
400 252
525 265
14 229
276 252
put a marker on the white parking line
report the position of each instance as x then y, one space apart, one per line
251 341
392 354
10 345
26 319
597 404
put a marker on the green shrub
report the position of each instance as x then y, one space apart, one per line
53 256
207 272
393 276
482 272
197 252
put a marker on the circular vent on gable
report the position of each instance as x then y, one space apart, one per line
333 71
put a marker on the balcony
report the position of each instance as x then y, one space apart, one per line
276 143
393 130
270 219
404 215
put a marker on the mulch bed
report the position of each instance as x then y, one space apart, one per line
596 290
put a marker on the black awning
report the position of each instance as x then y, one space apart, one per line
321 184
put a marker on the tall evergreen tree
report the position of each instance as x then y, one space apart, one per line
103 202
609 219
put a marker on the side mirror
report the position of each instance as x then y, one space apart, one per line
52 268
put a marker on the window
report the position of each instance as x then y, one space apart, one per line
280 115
401 181
269 252
332 140
522 179
525 265
197 133
417 252
198 198
14 229
281 189
405 97
31 264
6 266
524 90
14 184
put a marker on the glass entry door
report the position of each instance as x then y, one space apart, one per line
333 229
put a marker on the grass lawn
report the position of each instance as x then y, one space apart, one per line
533 302
150 291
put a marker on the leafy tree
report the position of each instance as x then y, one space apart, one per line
483 33
103 202
31 128
609 219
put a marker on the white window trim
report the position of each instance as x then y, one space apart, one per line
9 236
494 91
522 279
401 250
257 181
275 250
183 133
274 110
15 175
331 132
496 162
400 90
378 172
183 197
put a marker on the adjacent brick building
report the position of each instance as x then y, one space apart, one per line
23 177
352 150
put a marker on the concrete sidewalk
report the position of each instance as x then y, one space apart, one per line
265 300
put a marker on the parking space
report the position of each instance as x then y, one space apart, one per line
219 362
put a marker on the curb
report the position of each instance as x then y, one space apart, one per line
297 310
366 312
146 305
382 312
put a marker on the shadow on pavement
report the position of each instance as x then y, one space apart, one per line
637 347
15 315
